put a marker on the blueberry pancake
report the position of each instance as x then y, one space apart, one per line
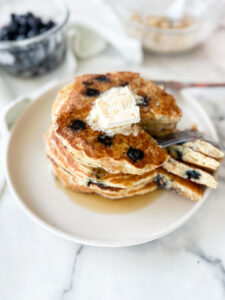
101 140
205 148
181 186
162 180
190 172
59 154
159 111
105 191
135 153
188 155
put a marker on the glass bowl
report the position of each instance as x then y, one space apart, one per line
37 55
140 18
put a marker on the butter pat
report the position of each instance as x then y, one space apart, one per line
117 107
115 111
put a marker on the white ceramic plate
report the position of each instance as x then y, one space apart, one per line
38 194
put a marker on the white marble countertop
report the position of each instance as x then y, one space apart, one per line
187 264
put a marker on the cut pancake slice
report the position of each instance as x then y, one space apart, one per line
190 172
181 186
188 155
205 148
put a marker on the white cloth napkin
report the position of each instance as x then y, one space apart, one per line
97 23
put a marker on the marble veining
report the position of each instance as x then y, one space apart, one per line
72 279
214 262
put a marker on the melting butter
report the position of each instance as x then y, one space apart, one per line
115 111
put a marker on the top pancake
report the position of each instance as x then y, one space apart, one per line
75 102
158 106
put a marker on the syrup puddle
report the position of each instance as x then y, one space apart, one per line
102 205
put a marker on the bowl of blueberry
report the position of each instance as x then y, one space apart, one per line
32 36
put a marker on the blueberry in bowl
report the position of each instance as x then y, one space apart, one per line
32 42
24 26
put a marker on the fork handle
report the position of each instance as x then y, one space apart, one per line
201 84
180 85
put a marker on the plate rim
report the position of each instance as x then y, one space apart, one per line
94 241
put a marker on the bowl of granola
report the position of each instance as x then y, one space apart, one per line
152 24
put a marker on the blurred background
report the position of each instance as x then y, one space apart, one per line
43 40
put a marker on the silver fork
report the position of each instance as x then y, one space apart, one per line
177 85
185 136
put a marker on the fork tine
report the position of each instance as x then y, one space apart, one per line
180 137
180 134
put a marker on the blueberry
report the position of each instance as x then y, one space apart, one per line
135 154
24 30
12 26
35 23
104 139
77 125
192 174
24 26
43 30
32 60
89 182
102 78
20 19
144 101
161 181
100 184
92 92
11 32
179 154
29 15
13 17
49 25
11 35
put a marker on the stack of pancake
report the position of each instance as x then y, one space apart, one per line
119 166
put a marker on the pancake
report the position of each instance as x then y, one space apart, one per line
190 172
58 153
107 188
124 165
181 186
163 179
205 148
193 157
159 111
84 144
105 191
